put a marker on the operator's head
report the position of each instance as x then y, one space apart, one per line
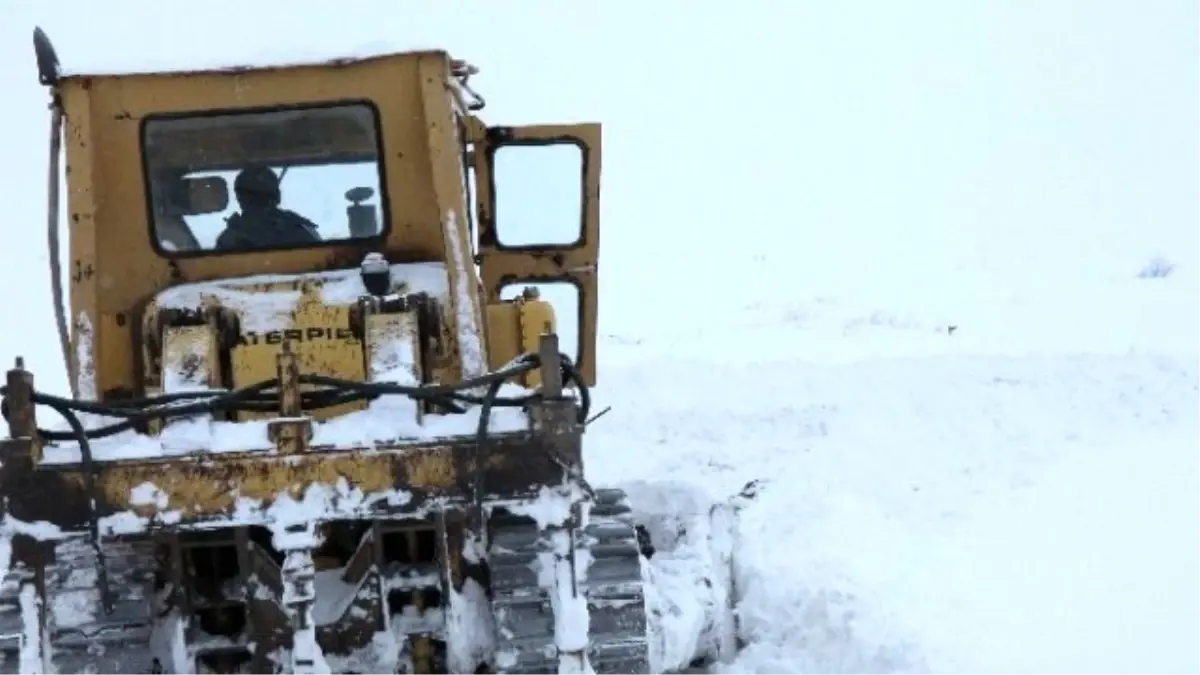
256 188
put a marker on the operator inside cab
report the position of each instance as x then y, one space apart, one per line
261 223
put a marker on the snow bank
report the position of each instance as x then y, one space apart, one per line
959 513
689 581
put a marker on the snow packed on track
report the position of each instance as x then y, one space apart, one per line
942 333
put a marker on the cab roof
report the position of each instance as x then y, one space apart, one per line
277 63
280 57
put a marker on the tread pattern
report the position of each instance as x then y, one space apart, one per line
616 601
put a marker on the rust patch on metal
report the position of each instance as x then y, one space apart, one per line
432 469
192 491
195 488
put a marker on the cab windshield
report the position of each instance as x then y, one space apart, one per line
263 179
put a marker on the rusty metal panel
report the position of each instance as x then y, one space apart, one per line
504 333
465 313
576 264
291 431
242 487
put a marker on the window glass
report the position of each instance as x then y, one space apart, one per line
263 179
539 194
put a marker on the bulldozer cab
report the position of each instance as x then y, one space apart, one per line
384 155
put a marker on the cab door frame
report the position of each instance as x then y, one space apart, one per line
576 262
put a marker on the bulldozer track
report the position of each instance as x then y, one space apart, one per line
525 622
85 639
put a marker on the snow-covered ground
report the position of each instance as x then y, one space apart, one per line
954 508
937 299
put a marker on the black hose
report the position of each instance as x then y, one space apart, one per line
89 487
479 456
571 375
252 399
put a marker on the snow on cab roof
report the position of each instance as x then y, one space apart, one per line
223 60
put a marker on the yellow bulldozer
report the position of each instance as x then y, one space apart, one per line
330 425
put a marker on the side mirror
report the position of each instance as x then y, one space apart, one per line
363 219
539 190
47 59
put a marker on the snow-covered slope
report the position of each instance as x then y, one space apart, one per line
926 277
955 513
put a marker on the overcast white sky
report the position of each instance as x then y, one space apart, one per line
935 138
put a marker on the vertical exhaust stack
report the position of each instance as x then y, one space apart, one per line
48 75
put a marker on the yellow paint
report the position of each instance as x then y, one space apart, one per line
537 318
212 488
325 344
504 333
431 470
514 328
